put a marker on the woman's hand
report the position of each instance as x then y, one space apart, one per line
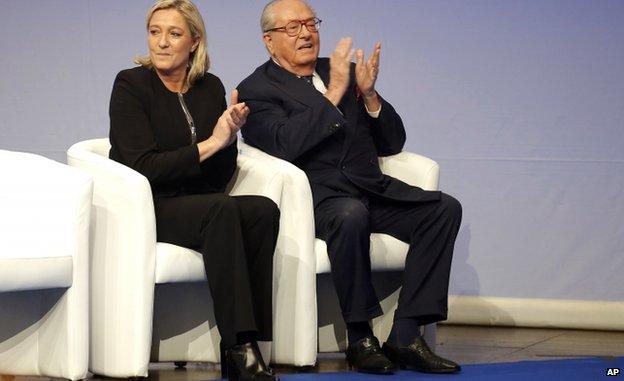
228 124
224 132
237 115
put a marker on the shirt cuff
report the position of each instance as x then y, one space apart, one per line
373 114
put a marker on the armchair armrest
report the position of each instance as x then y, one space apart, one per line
123 253
254 177
294 278
412 168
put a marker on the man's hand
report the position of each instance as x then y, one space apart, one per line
366 75
339 65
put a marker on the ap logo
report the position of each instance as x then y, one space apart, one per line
613 371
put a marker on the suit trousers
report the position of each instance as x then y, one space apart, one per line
236 236
430 228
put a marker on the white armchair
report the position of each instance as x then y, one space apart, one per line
299 299
149 300
44 299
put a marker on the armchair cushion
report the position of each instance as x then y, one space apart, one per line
178 264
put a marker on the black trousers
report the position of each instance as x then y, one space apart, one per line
430 228
237 236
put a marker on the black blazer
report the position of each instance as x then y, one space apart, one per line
338 150
150 134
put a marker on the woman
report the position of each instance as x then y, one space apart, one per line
170 122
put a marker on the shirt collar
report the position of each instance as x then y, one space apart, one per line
314 74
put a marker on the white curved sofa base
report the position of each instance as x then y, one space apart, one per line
175 264
44 260
300 257
150 299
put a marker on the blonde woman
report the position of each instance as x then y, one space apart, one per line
169 121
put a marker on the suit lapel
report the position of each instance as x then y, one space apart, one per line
348 105
306 94
291 84
322 68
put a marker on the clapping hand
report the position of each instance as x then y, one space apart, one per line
339 66
232 119
237 115
366 71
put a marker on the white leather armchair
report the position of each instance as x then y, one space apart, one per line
299 299
149 300
44 225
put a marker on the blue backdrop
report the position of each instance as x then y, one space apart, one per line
521 103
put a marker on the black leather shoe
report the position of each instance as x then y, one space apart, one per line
366 356
244 363
419 357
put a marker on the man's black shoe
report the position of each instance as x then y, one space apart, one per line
366 356
419 357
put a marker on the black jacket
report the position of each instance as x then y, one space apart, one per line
338 151
150 134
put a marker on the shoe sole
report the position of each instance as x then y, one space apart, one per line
388 372
434 371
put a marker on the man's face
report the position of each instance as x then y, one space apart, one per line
296 54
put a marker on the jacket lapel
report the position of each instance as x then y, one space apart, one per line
348 105
322 68
300 90
291 84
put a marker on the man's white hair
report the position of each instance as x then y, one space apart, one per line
267 19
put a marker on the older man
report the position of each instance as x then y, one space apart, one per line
325 116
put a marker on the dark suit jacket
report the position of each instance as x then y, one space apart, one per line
291 120
150 134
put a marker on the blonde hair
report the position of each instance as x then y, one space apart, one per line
199 61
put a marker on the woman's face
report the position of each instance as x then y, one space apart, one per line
170 41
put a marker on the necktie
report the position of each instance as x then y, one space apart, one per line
308 79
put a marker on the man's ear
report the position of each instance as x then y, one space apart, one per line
268 42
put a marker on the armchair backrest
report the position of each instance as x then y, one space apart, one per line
412 169
122 199
41 201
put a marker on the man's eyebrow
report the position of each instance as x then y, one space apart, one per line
305 19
